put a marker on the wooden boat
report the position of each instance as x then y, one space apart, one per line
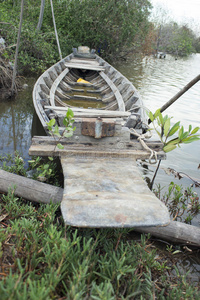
102 184
91 87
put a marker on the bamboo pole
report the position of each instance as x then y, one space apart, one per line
54 23
179 94
17 48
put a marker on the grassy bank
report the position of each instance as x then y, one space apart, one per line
41 258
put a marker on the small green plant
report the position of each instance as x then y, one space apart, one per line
165 131
162 126
183 204
66 133
43 170
13 163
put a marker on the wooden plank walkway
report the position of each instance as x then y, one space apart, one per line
108 192
103 186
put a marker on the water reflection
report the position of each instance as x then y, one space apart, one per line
16 123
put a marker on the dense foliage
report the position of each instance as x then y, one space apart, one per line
108 26
114 28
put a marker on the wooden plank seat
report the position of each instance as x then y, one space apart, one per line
83 112
85 66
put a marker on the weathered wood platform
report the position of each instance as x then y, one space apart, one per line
102 184
108 192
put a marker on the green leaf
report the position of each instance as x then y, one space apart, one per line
70 113
161 119
151 117
174 129
166 127
190 139
51 122
56 131
157 113
169 147
185 135
68 134
65 122
190 128
180 133
165 119
46 166
173 142
60 146
195 130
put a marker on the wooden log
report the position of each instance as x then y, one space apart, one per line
30 189
35 191
175 232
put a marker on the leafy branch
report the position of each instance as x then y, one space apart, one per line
162 126
66 133
165 131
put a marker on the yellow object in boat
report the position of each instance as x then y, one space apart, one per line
82 80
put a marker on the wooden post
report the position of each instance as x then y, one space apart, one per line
17 47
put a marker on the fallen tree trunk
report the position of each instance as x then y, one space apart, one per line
30 189
35 191
175 232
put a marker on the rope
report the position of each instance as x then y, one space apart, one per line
140 138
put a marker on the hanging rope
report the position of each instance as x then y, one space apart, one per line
141 137
54 23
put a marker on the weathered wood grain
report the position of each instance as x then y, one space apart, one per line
30 189
175 232
115 90
84 66
108 192
91 112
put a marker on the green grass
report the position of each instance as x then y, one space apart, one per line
41 258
